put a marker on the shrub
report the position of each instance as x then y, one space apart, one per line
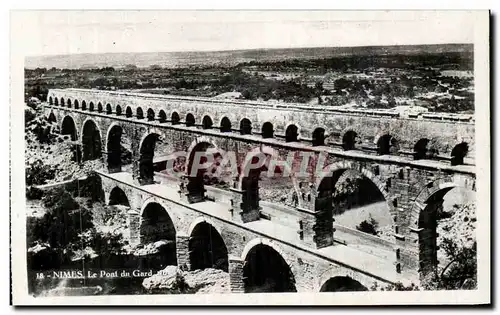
33 193
38 173
369 226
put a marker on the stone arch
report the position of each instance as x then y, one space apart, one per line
332 168
156 225
225 124
338 201
420 149
363 280
268 273
318 137
248 180
423 217
118 110
68 103
52 118
267 130
387 144
458 153
91 106
62 102
196 182
349 140
118 197
175 118
139 114
207 248
245 126
68 127
84 105
162 116
128 112
76 104
91 140
150 114
342 284
109 109
207 122
190 120
56 101
292 133
51 101
99 107
117 154
146 155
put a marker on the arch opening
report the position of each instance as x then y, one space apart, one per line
52 118
68 103
51 101
342 284
458 153
84 105
128 112
147 152
162 116
91 106
318 137
150 114
349 140
207 248
245 127
266 271
118 110
76 104
139 113
421 150
175 118
157 226
118 197
387 144
190 121
91 140
446 205
207 122
198 172
292 133
225 125
62 102
56 101
119 150
356 205
109 110
261 179
267 130
99 107
68 127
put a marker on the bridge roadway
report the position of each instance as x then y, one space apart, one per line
360 265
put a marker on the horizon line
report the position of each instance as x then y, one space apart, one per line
242 49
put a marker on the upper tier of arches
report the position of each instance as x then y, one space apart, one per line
383 140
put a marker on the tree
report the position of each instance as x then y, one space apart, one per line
460 273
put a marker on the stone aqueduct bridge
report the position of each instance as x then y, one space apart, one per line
412 161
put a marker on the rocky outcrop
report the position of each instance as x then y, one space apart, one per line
173 280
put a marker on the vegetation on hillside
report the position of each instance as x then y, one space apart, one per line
369 81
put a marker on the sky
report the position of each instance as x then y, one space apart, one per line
70 32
